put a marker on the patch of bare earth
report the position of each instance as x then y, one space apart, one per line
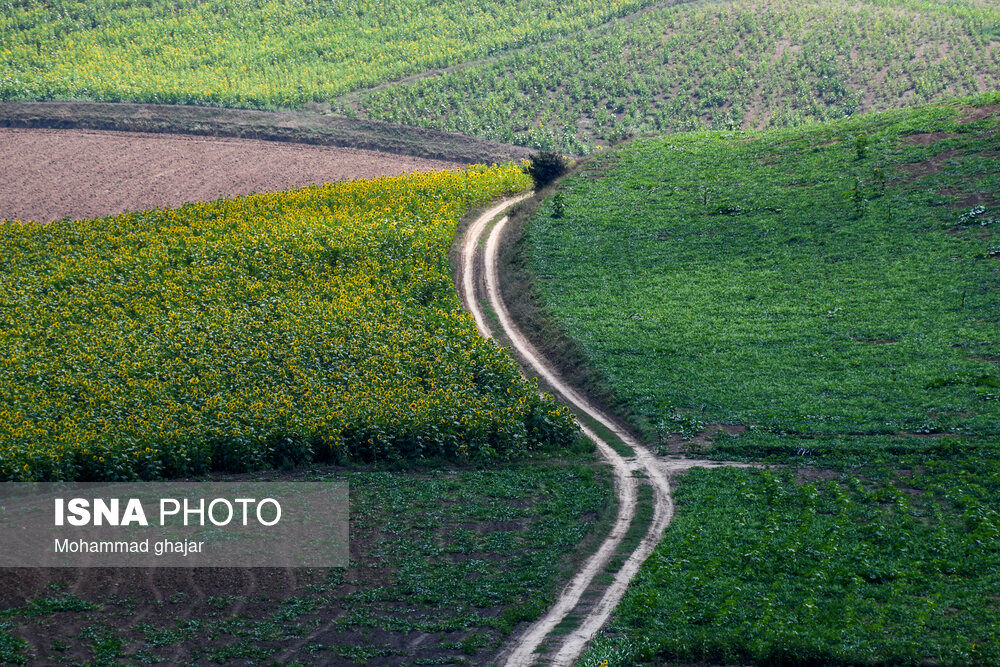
679 445
47 174
927 138
987 357
917 170
973 114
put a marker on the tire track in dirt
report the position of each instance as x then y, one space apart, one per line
524 650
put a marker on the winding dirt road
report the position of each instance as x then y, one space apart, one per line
484 262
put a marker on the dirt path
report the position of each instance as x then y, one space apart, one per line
656 469
50 174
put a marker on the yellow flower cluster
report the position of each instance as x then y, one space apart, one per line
320 323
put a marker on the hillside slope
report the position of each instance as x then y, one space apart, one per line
260 54
724 64
825 299
838 279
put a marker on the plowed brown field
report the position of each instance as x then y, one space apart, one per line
50 174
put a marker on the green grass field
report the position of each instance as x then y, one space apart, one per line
424 586
760 567
834 289
733 64
828 280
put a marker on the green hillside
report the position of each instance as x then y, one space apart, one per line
835 291
726 64
837 280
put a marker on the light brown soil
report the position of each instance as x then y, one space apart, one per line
50 174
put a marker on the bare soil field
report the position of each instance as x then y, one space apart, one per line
50 174
311 125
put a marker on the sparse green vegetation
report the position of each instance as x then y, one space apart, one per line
45 606
718 65
11 646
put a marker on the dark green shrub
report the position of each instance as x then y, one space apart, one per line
558 206
545 167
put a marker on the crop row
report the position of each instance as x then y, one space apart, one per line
268 329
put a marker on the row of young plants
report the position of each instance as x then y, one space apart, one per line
718 65
270 329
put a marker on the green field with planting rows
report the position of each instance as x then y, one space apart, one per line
568 76
259 53
425 543
719 65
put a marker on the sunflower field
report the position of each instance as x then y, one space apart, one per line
271 329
